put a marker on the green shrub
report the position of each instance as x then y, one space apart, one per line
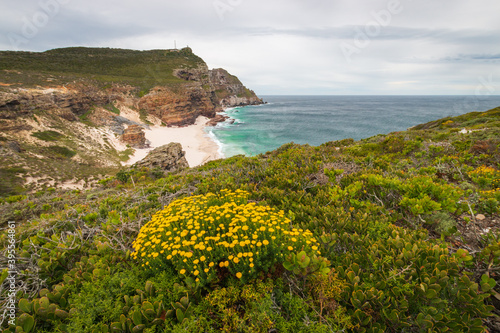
112 108
48 135
442 222
63 152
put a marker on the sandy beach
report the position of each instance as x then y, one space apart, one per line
195 142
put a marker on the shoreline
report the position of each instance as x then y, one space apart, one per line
197 144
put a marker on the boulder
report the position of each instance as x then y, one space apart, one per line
217 119
480 217
14 146
168 158
134 136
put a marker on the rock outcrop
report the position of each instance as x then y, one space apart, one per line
178 108
229 90
219 118
67 103
134 136
168 158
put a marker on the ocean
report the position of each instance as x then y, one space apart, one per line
318 119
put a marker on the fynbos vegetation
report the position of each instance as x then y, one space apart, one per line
395 233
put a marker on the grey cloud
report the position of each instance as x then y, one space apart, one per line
473 57
386 33
430 41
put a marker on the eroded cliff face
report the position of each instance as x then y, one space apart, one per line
178 108
204 93
229 91
66 102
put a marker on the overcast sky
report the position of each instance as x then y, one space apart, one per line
390 47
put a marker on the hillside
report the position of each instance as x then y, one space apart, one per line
64 112
142 69
395 233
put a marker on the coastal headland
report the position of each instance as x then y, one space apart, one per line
66 111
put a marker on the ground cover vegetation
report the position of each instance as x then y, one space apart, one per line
394 233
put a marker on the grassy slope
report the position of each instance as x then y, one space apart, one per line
143 69
60 144
397 216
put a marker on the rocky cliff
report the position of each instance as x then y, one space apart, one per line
78 107
167 158
229 91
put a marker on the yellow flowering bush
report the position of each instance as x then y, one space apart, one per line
486 177
207 236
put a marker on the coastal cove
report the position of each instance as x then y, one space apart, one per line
196 143
315 120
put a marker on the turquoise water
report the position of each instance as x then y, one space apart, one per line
318 119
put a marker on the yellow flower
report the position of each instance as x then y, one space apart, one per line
239 275
265 242
183 271
211 264
202 258
236 260
290 248
196 272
